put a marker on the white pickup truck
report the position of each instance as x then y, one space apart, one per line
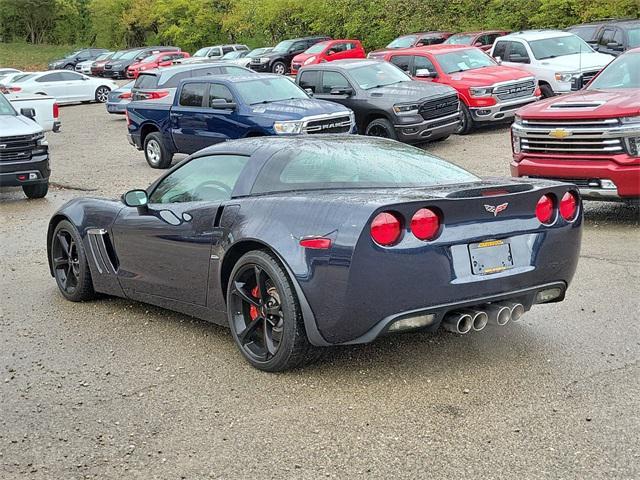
40 108
561 62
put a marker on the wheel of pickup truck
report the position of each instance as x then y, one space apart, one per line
381 127
102 94
279 68
38 190
466 122
546 90
155 152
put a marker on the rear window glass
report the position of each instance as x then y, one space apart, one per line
146 81
172 80
354 163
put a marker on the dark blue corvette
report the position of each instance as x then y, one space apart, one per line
303 242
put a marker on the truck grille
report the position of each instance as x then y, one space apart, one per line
17 148
570 136
580 81
339 124
107 67
513 90
439 107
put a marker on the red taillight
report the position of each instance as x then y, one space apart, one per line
56 111
544 209
386 228
126 115
568 206
425 224
125 95
316 243
155 95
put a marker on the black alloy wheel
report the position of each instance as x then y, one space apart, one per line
466 122
381 127
69 263
264 315
69 66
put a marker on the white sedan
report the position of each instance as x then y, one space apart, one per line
65 86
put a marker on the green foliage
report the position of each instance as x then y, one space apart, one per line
28 57
191 24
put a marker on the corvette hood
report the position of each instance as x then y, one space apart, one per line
486 76
298 108
587 104
410 91
577 62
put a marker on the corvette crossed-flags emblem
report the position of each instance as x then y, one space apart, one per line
497 208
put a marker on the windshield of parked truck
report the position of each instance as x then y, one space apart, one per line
460 39
283 46
202 52
462 60
403 42
559 47
259 51
623 72
5 107
634 37
378 75
270 89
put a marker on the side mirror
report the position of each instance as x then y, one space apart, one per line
518 59
309 91
135 198
330 52
614 46
498 60
341 91
222 104
28 112
477 44
425 73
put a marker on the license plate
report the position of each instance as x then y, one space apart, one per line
490 257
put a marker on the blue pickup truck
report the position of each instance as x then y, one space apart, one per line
212 109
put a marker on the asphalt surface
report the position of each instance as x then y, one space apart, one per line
117 389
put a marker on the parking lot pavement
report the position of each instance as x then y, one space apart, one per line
117 389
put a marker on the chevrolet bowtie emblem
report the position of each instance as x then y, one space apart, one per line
497 208
560 133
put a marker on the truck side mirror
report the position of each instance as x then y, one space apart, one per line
498 60
615 46
222 104
28 112
348 91
425 73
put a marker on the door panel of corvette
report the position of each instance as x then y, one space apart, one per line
164 250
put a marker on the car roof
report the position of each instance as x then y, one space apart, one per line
530 35
346 64
183 67
234 78
441 47
478 32
312 37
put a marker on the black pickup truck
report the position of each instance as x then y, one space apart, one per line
385 100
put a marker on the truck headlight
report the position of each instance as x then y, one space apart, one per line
481 91
406 109
564 76
287 128
517 119
309 60
515 142
630 120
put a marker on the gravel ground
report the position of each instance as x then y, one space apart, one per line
117 389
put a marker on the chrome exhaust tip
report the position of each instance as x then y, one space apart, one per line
458 322
479 319
517 310
499 313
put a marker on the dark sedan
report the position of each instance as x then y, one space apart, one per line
305 242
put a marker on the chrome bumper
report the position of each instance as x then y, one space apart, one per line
501 110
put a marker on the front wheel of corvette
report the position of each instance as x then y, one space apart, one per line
69 262
264 315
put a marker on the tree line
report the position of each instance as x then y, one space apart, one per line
191 24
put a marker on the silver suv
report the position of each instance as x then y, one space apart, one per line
215 52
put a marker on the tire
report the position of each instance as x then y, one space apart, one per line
279 68
102 94
69 67
270 335
155 152
546 90
466 122
381 127
70 267
37 190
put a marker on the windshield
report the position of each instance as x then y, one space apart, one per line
118 55
202 52
355 163
104 56
22 78
130 55
403 42
73 54
259 51
623 72
317 48
467 59
460 39
265 90
634 37
232 55
378 75
559 47
283 46
5 107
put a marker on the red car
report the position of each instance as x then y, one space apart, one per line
97 67
488 91
327 52
590 138
162 59
413 40
483 40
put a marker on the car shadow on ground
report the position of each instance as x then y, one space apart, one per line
611 213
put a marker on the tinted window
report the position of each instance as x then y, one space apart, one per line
226 50
500 49
211 178
52 77
586 33
217 92
402 61
429 41
517 51
420 62
214 52
309 80
70 76
607 37
403 42
357 164
634 37
460 39
269 89
467 59
333 80
146 81
192 94
298 46
490 38
617 37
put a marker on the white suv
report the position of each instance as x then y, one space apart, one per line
561 61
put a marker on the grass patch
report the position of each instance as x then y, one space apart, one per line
27 57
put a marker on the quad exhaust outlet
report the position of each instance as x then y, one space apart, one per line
465 320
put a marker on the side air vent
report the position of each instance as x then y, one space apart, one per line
102 251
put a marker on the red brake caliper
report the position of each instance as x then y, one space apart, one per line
253 311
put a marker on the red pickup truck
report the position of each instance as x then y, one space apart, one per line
327 52
488 91
590 138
